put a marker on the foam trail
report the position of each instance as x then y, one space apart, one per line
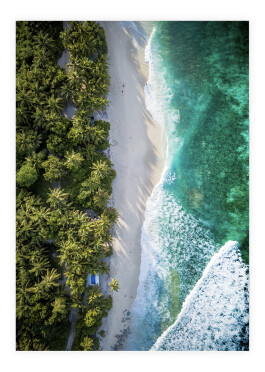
214 315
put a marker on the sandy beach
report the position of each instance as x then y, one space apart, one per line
136 151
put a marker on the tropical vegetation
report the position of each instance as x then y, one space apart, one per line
63 178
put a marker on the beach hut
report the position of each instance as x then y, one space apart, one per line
92 279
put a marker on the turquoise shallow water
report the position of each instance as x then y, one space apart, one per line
207 71
198 91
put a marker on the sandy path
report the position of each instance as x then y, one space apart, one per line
137 154
73 319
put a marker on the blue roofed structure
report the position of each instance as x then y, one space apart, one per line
92 279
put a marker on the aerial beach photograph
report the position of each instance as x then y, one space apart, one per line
132 185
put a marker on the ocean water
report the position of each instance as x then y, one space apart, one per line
193 285
214 315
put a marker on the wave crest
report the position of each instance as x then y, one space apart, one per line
215 314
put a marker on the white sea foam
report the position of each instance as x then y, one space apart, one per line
157 93
154 88
176 248
157 100
172 241
214 315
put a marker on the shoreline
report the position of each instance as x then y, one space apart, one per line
137 144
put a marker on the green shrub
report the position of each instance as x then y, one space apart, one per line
27 175
87 344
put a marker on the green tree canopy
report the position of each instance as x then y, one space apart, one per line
87 344
27 175
54 168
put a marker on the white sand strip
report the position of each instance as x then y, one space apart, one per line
138 157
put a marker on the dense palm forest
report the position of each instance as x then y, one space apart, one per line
63 184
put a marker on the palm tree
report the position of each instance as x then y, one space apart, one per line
114 285
25 98
54 169
73 160
96 135
55 105
53 117
66 92
45 42
100 169
22 115
101 198
87 344
41 58
73 80
59 305
79 217
104 268
39 117
22 141
50 280
23 297
58 199
89 186
40 266
35 255
35 159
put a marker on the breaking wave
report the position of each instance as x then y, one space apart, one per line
214 316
